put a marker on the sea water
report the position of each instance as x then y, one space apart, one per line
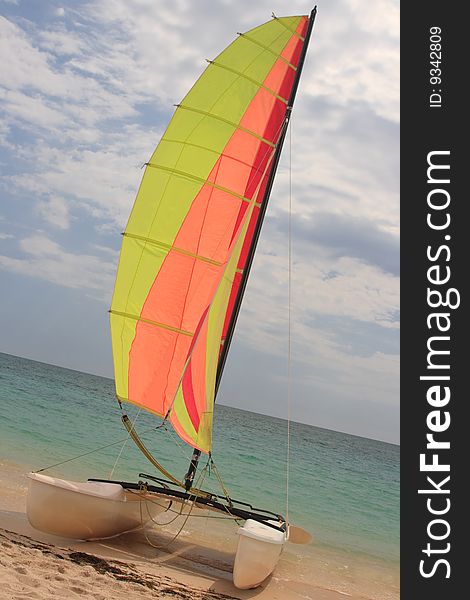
342 488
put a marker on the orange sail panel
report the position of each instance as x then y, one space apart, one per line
192 224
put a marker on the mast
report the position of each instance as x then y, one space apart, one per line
189 477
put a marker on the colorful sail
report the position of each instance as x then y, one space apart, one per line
187 239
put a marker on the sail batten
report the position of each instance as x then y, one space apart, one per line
185 245
258 83
149 322
247 37
231 123
174 248
198 179
283 23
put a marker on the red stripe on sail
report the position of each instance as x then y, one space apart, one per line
188 391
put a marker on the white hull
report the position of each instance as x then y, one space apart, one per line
258 552
86 511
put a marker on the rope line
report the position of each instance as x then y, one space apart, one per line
118 457
219 479
289 324
62 462
198 483
227 517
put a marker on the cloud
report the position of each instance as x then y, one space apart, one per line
354 48
347 236
65 97
357 291
45 259
103 181
358 338
61 42
353 153
354 394
33 110
54 211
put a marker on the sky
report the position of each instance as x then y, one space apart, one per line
87 89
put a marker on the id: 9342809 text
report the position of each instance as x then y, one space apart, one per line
435 70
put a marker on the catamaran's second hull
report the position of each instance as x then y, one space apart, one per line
89 510
258 552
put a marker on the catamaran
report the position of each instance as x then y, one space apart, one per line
186 255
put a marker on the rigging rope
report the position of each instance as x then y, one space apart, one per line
289 323
111 473
186 516
219 479
98 449
192 502
148 455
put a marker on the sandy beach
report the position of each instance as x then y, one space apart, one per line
37 565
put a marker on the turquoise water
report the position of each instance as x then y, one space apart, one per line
343 488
